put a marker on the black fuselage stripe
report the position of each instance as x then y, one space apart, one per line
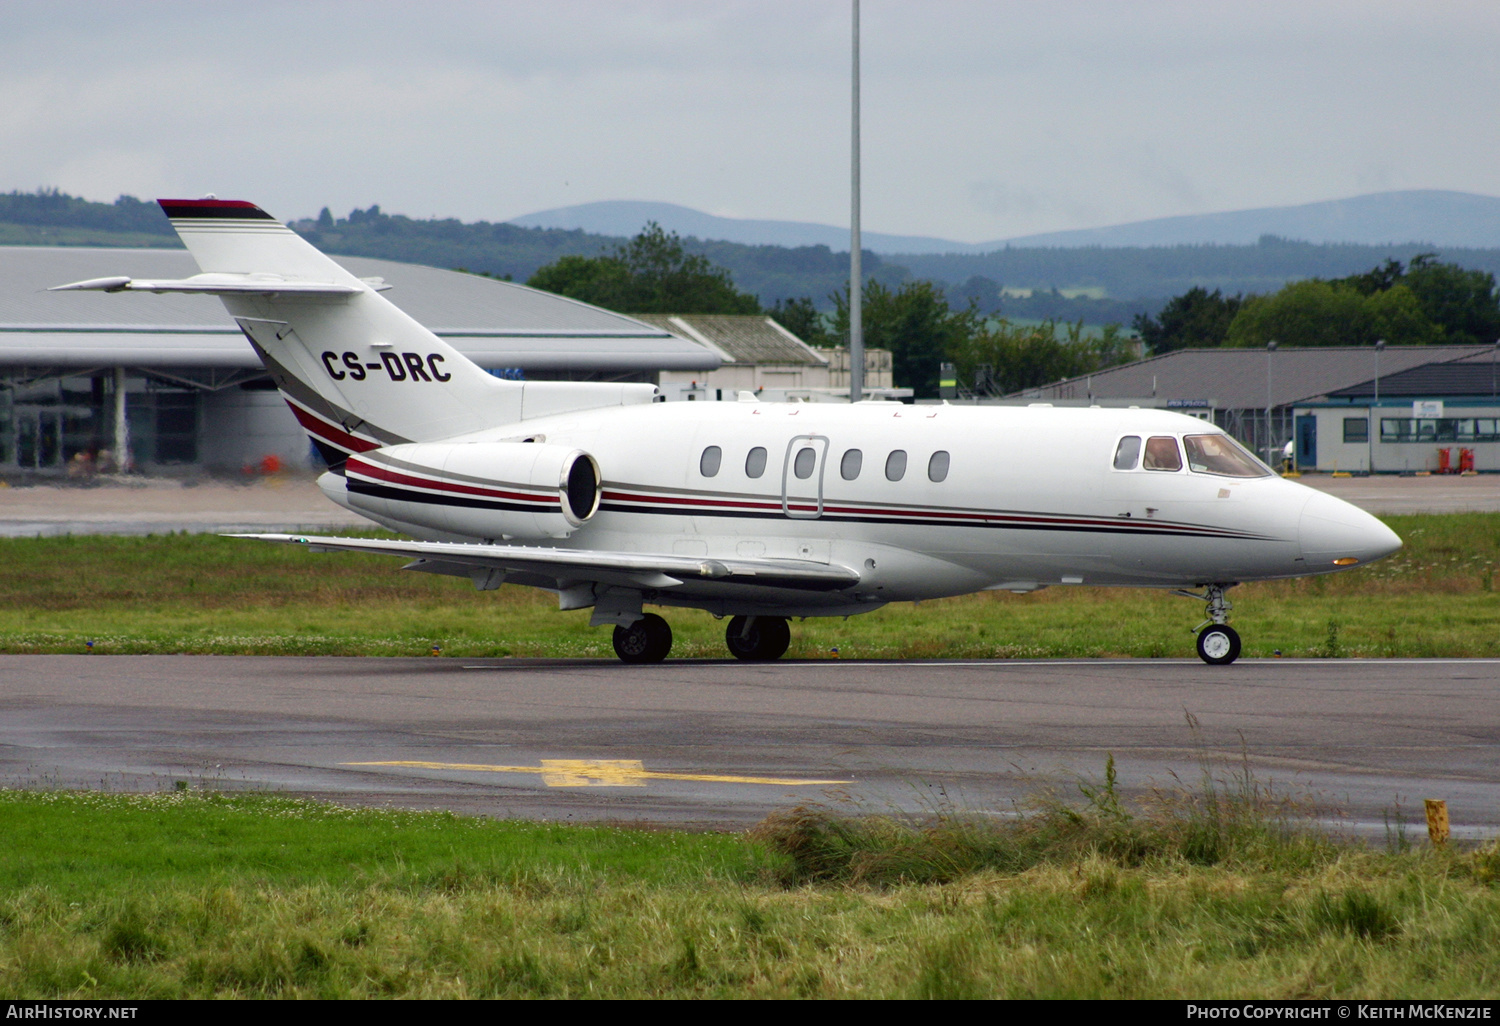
915 521
361 487
405 495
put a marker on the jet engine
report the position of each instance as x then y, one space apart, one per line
502 490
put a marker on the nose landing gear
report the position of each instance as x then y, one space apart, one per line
1218 643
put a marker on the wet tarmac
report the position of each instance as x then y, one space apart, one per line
1355 743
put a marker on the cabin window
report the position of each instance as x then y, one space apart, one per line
708 463
803 465
1220 454
895 465
1162 453
1128 452
1356 430
937 467
850 464
755 462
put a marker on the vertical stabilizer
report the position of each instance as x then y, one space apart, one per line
356 370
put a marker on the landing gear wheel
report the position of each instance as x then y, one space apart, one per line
1218 644
766 641
648 640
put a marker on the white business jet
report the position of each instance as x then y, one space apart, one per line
754 511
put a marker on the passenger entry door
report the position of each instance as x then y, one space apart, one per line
802 477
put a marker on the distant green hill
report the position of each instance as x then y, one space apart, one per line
1131 280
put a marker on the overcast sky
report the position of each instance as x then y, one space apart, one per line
982 120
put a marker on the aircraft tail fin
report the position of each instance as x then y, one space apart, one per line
357 371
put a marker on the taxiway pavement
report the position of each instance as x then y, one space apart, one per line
723 744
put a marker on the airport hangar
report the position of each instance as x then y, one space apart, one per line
1426 399
195 396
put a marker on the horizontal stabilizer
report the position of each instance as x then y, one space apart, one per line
219 284
621 569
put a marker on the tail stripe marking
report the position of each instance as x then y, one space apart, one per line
214 208
330 434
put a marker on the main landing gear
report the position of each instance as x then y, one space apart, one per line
1218 643
648 640
755 639
758 639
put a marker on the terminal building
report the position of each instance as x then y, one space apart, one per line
174 378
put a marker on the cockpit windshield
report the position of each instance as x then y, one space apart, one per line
1220 454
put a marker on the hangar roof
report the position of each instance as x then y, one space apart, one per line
494 323
740 338
1233 378
1454 378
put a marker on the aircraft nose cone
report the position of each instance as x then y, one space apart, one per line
1332 530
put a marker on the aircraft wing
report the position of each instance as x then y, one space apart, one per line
620 569
222 284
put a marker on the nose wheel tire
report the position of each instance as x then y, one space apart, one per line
648 640
766 640
1218 644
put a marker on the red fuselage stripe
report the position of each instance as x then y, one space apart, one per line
366 469
927 514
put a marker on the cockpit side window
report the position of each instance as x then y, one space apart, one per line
1162 453
1128 452
1222 455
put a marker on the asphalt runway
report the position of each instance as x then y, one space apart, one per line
723 744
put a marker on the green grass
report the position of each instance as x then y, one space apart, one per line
204 594
190 894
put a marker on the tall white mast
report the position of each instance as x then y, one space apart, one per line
856 275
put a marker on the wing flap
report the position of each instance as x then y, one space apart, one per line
624 569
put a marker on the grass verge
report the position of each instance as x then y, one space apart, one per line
204 594
1215 894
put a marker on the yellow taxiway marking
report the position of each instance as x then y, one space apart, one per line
602 773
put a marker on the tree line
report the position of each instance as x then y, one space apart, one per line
1423 302
915 320
1139 279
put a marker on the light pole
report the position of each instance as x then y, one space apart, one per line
1374 424
856 275
1270 435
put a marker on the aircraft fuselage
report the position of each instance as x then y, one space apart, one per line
1015 498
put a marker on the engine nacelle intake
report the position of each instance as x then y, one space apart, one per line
525 490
